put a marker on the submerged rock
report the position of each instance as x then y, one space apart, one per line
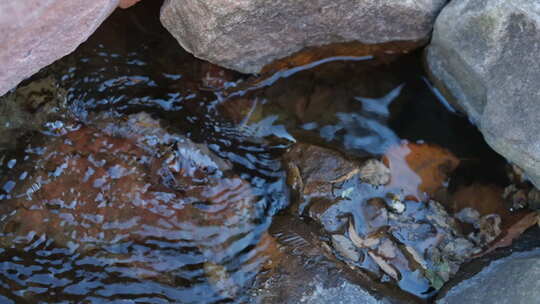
37 106
308 273
484 55
247 35
100 187
33 34
386 229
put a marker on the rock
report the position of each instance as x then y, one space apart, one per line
345 247
415 244
33 33
311 286
309 275
98 184
249 34
113 190
374 172
484 56
319 168
32 107
515 279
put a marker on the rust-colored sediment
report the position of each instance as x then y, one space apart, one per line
127 3
383 52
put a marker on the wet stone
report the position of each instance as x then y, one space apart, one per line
94 187
415 243
254 35
345 247
311 274
110 189
36 106
318 169
374 172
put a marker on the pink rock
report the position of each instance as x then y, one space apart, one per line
35 33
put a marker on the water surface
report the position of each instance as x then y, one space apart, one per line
154 177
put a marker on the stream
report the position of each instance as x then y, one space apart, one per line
141 174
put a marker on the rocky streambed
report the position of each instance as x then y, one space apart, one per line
133 172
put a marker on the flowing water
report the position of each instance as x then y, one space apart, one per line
149 176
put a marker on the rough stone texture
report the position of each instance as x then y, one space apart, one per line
245 35
485 57
35 33
515 279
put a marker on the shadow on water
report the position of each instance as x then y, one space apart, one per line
154 176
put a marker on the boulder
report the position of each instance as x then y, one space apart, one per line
246 35
484 56
515 279
35 33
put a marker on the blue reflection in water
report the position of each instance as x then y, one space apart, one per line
368 130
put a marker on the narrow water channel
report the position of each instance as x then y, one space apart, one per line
149 176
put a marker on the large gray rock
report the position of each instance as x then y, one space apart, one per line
35 33
245 35
485 56
512 280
